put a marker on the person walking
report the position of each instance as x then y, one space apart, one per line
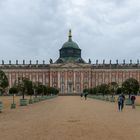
85 95
123 96
81 95
133 98
120 102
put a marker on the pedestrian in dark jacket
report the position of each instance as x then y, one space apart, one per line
120 102
133 98
123 100
85 95
81 95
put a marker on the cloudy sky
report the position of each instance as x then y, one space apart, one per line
36 29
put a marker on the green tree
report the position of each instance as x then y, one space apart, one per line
56 91
119 90
45 91
13 90
39 89
130 85
103 88
28 87
85 90
24 86
51 90
113 88
35 85
3 82
94 90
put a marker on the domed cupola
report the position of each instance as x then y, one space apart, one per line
70 52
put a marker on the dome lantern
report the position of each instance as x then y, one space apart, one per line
70 36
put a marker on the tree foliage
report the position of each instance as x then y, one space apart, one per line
28 87
103 89
52 90
85 90
130 85
3 82
13 90
119 90
113 88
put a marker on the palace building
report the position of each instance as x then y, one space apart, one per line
70 73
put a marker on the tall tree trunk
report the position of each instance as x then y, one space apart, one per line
22 95
13 99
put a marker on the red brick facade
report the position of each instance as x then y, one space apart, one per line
70 77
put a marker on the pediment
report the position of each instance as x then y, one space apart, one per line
71 65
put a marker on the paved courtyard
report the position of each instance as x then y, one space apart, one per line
70 118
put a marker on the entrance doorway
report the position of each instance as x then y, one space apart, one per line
70 88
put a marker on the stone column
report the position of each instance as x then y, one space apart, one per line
89 76
59 79
103 74
66 81
37 80
10 79
81 82
50 78
30 75
42 73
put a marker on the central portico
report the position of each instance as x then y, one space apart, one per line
70 78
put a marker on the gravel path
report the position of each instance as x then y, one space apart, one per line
70 118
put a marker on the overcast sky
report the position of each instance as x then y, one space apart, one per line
37 29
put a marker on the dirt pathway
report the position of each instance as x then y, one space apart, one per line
70 118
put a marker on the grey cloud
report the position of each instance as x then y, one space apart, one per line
36 29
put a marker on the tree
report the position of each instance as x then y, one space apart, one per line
45 90
13 90
28 85
130 85
51 90
119 90
24 85
94 90
54 91
39 88
20 86
113 88
103 88
43 87
85 90
3 82
91 90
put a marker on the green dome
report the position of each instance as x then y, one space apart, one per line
70 52
70 44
